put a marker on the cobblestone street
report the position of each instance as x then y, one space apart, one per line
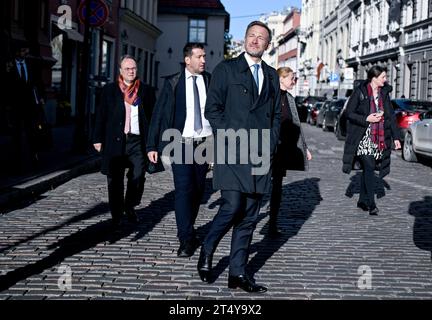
327 249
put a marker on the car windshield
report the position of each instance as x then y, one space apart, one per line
411 105
313 99
337 105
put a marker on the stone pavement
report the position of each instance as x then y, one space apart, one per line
329 248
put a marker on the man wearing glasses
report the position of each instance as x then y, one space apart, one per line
120 136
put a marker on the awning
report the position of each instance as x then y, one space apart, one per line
74 35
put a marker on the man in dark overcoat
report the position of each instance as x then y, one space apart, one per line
120 133
243 104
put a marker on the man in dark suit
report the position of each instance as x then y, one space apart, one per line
244 96
120 135
180 106
25 104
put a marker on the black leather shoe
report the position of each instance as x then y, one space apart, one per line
244 283
131 215
362 206
115 223
274 231
187 248
204 265
373 211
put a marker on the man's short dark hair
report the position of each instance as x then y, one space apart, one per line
187 50
261 24
17 46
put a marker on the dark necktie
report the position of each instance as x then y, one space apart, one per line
22 71
197 108
255 75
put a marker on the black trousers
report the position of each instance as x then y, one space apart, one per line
276 197
135 161
239 210
23 143
189 183
367 181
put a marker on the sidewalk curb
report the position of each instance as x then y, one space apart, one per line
31 189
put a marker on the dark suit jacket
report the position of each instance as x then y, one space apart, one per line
170 109
21 95
232 104
110 121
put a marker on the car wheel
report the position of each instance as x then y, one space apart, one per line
324 126
408 152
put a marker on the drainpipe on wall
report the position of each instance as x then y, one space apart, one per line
362 14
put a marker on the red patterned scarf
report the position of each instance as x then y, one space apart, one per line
130 92
377 128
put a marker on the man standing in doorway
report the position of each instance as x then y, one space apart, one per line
24 98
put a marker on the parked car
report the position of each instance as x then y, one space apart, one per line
418 138
313 113
341 123
321 114
331 113
299 104
407 112
306 104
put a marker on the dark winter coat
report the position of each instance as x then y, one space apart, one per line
292 148
110 122
232 103
358 109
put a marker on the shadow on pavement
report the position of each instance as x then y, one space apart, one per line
354 187
90 237
299 200
100 209
422 229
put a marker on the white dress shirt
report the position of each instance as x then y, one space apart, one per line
189 131
18 65
251 64
134 120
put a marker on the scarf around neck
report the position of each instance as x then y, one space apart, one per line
377 128
130 92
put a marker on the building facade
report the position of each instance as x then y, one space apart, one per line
397 35
139 35
288 40
309 46
275 22
184 21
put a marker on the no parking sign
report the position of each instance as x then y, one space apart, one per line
99 13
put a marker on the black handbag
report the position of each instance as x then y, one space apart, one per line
152 168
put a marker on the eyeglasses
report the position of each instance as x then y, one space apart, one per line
130 69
